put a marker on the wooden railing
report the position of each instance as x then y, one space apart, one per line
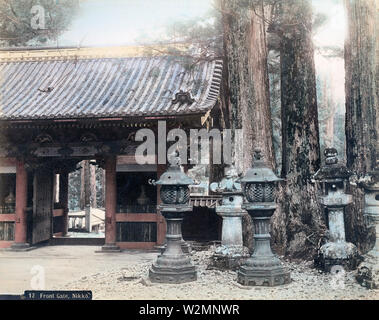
77 223
6 231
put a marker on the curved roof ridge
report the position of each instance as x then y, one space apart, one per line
73 53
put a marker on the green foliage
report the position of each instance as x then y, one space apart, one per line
318 21
100 201
202 36
16 16
328 110
74 190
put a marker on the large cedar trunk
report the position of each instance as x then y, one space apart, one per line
304 224
361 109
247 76
247 93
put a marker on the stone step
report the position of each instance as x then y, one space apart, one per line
66 241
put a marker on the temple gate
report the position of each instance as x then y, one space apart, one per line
61 106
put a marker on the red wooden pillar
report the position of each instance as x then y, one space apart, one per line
63 199
110 206
161 223
20 241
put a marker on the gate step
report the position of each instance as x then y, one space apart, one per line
77 241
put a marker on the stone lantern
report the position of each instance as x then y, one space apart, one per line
173 266
333 178
231 252
371 210
368 271
263 268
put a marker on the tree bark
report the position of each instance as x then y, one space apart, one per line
247 74
93 186
304 225
362 108
248 85
85 190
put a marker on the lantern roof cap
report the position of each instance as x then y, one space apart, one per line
260 172
174 174
332 169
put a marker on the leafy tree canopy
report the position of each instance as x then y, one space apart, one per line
24 22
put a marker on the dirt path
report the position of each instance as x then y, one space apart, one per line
130 282
60 264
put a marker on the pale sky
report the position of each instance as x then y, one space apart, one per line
130 22
123 22
333 32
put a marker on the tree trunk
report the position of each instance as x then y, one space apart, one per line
362 108
93 186
247 74
304 225
248 85
85 190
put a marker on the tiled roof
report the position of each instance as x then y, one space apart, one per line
72 87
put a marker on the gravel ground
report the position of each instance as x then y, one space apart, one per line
131 283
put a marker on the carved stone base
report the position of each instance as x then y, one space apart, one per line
268 277
172 275
186 248
343 254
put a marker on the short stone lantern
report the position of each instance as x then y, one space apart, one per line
368 271
371 211
173 266
333 178
231 253
263 268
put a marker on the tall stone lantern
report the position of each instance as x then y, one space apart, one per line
231 252
263 268
333 178
173 266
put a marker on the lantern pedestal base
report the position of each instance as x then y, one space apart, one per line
173 266
186 248
231 254
268 277
342 253
263 268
